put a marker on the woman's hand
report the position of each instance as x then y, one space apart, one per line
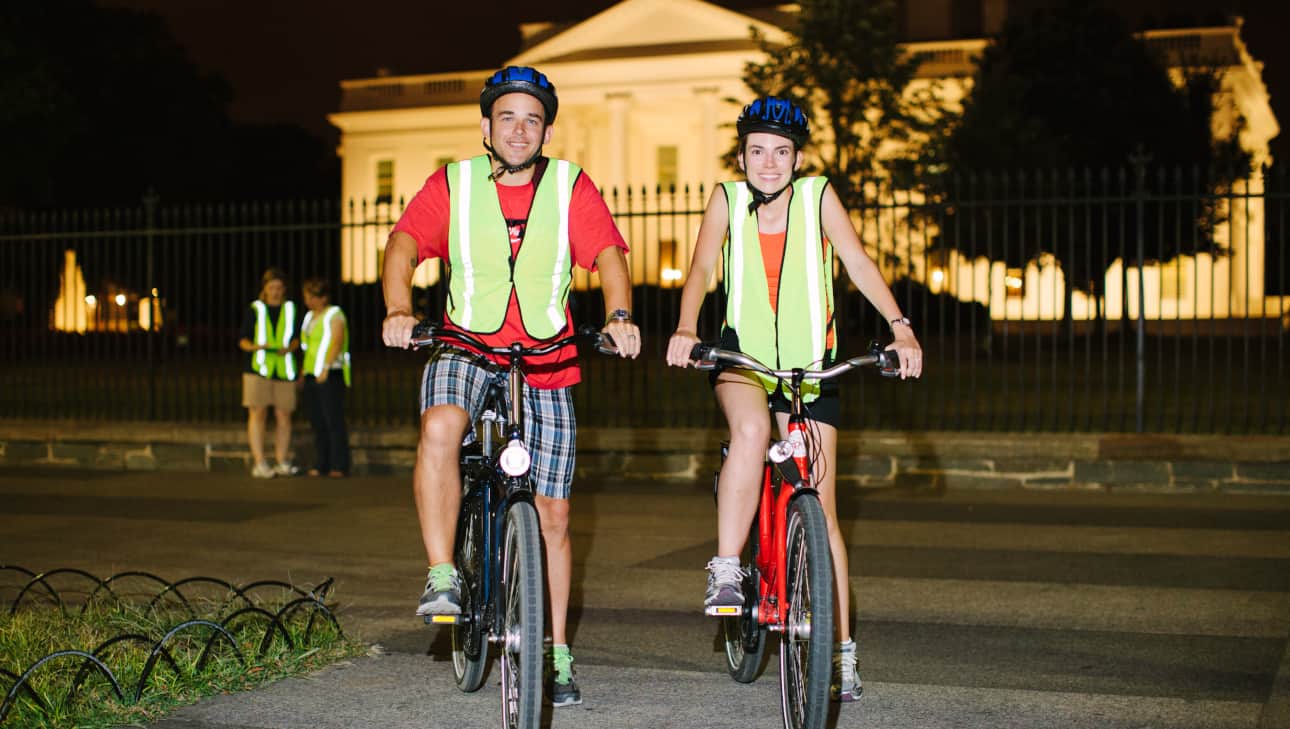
680 346
907 348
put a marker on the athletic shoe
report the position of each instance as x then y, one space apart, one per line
846 681
442 595
286 468
263 470
564 690
725 584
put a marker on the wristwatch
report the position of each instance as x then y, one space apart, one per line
619 315
901 320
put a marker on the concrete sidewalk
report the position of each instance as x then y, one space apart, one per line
998 608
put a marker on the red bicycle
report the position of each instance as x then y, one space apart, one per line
788 582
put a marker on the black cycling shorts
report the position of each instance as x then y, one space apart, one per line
827 408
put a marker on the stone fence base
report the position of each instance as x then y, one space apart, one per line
924 460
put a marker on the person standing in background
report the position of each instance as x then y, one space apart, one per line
270 335
324 337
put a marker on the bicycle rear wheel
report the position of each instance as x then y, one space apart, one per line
744 636
522 619
469 650
806 645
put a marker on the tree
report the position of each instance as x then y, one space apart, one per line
106 105
845 67
1064 101
102 104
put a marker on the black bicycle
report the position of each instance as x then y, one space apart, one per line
498 550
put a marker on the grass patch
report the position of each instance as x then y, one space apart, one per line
169 652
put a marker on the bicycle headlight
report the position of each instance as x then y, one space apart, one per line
514 459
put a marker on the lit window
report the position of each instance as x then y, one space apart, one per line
1015 283
384 181
667 156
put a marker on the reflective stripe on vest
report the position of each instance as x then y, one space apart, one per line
267 362
317 343
796 332
483 274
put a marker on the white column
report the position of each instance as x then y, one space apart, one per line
619 105
709 126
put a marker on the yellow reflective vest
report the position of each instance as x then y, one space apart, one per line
316 342
796 333
483 272
268 362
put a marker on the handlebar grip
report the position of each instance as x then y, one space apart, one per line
701 352
889 363
424 330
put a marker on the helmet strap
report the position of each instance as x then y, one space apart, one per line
760 198
500 167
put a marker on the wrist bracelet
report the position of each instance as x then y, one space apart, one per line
619 315
901 320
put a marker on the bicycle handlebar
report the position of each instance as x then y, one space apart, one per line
708 356
426 333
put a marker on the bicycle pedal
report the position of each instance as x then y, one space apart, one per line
723 611
444 619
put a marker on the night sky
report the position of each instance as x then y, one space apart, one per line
285 58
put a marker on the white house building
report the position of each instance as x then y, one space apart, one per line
645 89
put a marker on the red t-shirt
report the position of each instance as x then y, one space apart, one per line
591 230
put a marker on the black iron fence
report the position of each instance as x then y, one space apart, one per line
1045 302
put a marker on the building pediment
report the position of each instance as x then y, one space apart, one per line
636 28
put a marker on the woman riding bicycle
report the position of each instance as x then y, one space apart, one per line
777 234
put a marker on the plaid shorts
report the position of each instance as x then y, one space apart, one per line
455 377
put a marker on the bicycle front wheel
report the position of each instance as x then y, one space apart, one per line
469 650
806 644
521 583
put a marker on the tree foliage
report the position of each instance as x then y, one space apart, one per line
846 68
101 104
1068 103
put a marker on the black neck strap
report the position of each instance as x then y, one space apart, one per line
760 198
501 168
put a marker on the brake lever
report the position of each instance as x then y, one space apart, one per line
888 363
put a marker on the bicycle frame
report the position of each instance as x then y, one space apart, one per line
772 511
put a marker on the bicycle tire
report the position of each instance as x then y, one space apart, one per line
469 649
806 644
522 618
744 637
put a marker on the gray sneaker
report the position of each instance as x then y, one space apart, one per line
286 468
725 595
263 470
442 595
845 686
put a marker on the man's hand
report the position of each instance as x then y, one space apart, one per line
626 336
396 331
322 376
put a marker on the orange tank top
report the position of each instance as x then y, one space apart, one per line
772 258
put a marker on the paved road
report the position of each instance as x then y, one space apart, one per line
976 608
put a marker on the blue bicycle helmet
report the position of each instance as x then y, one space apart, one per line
777 116
524 80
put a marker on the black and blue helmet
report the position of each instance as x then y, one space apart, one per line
520 79
777 116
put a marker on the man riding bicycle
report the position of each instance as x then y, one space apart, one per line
778 234
511 224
